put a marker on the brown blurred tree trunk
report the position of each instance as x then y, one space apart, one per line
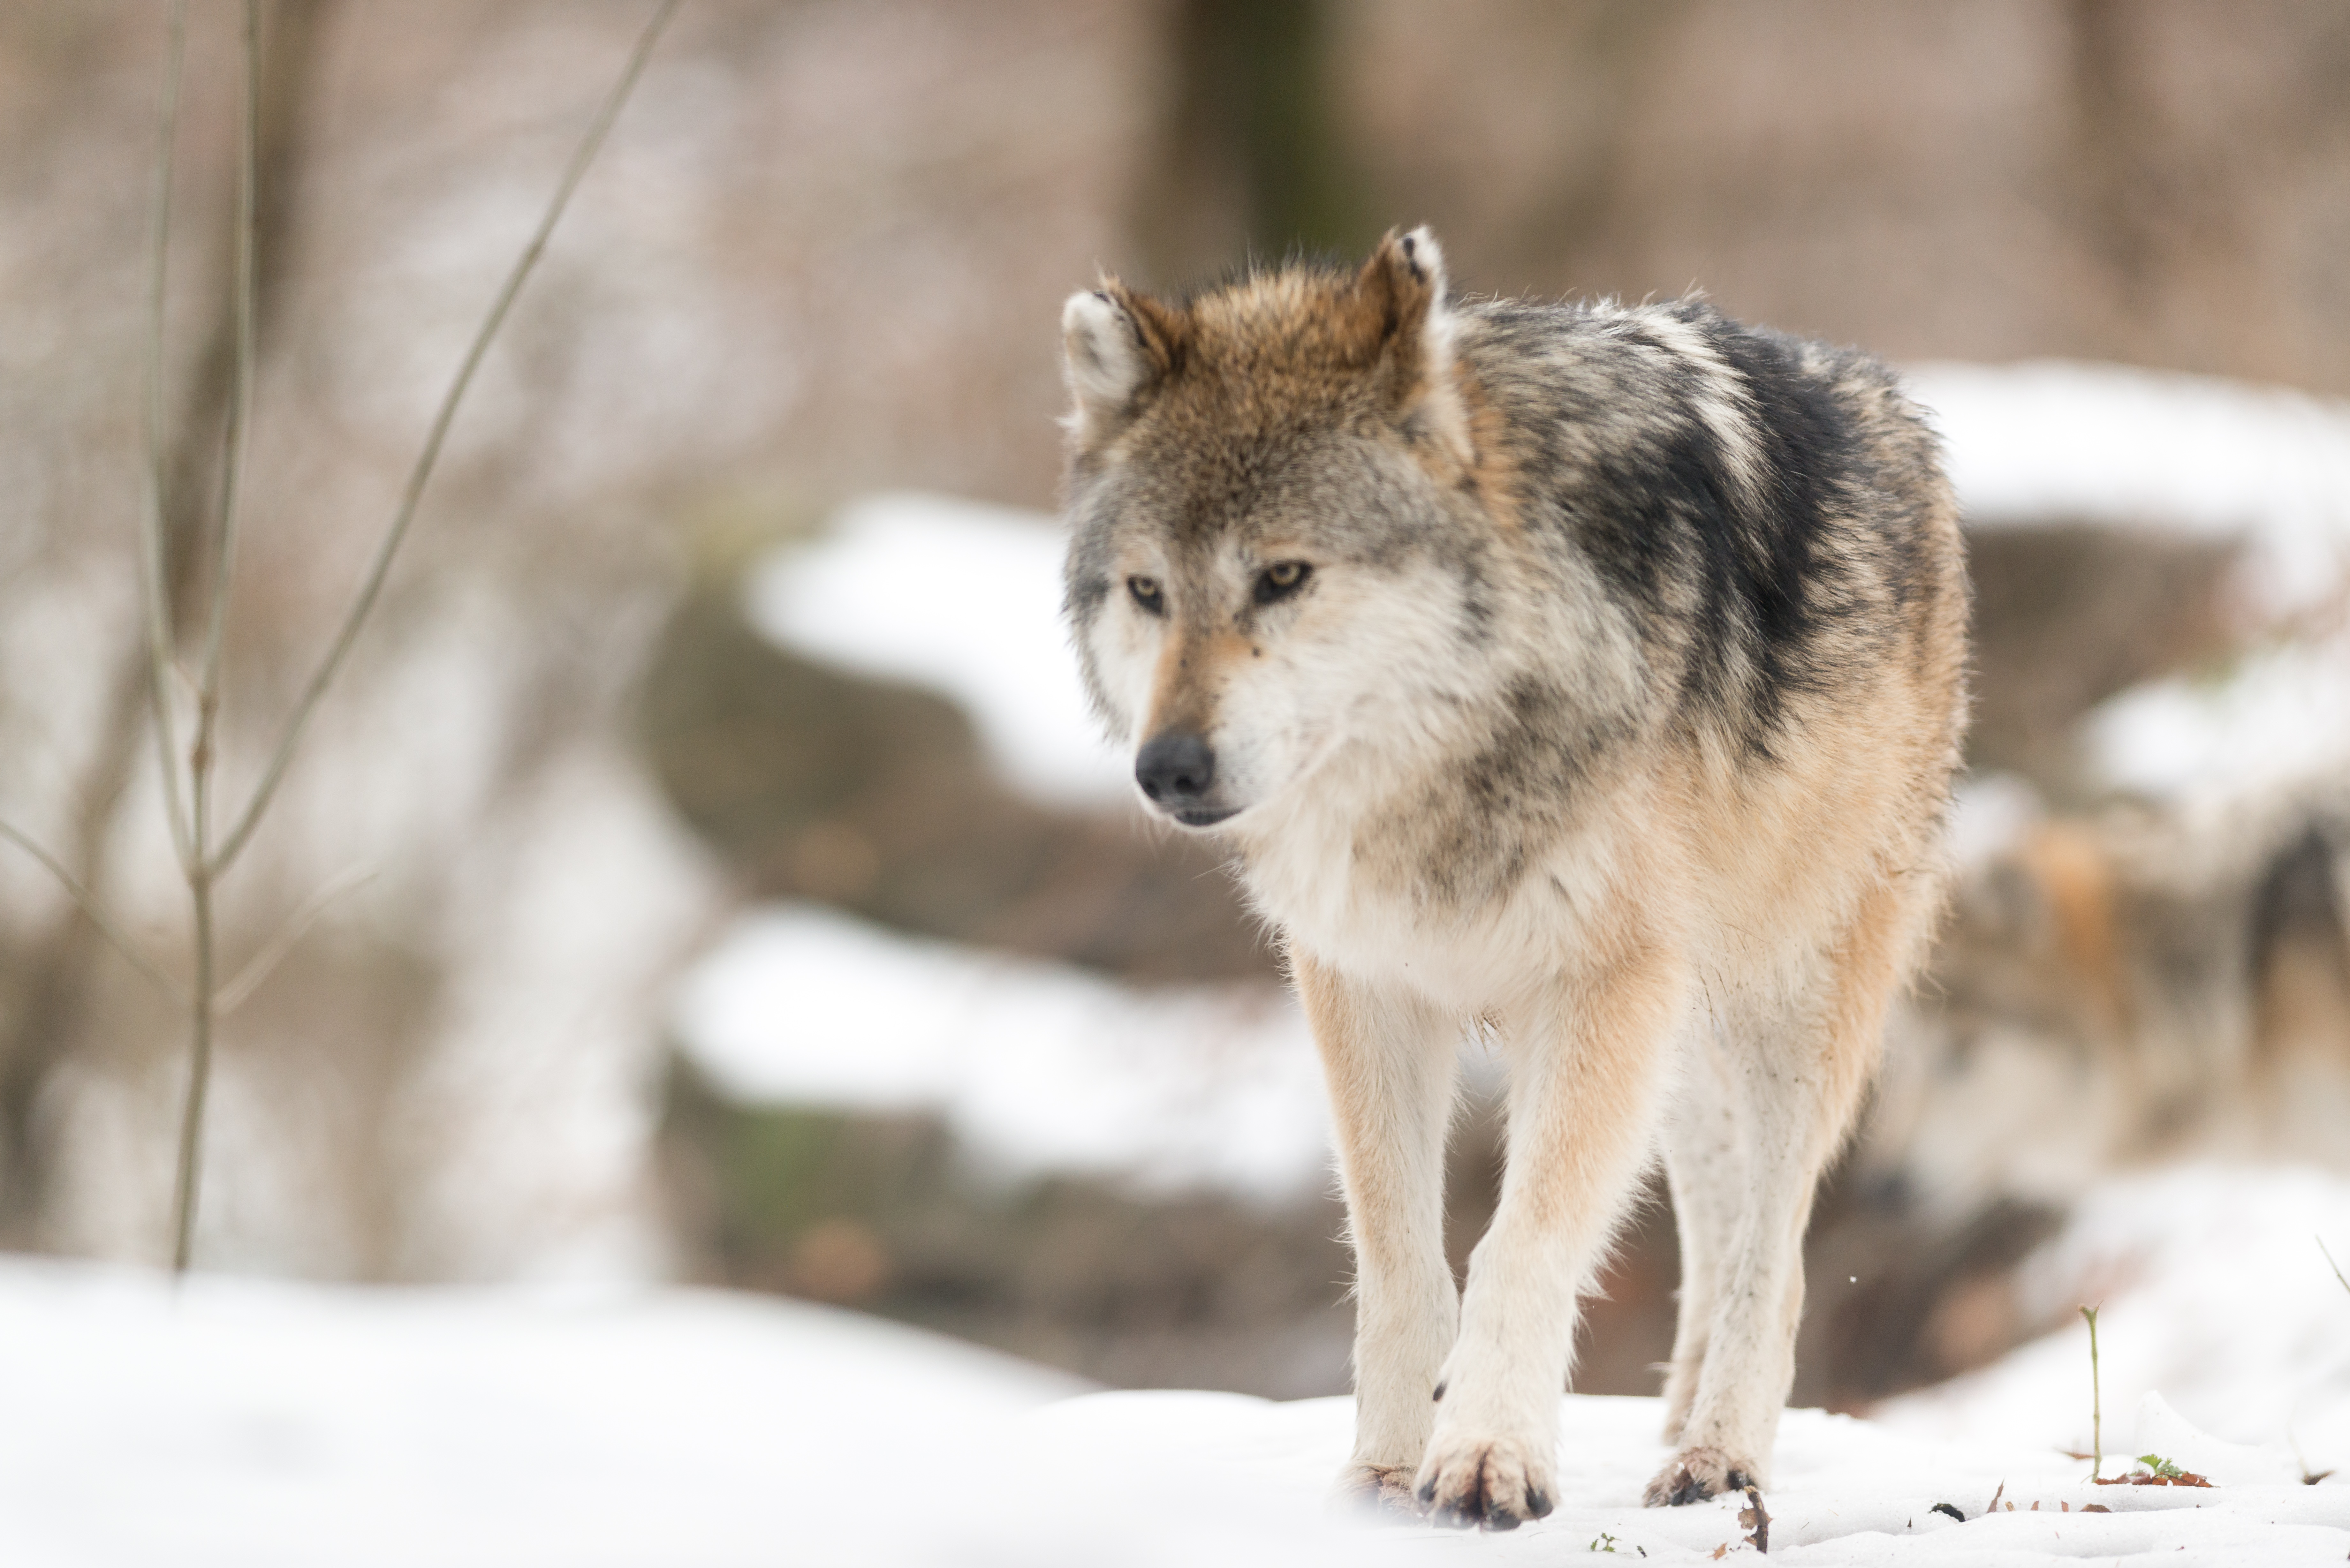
46 984
2119 203
1252 160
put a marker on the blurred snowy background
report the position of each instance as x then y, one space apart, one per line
747 899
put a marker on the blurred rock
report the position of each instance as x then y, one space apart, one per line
2124 988
811 782
2068 614
1186 1290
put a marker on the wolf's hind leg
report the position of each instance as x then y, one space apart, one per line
1391 1059
1588 1058
1795 1070
1705 1170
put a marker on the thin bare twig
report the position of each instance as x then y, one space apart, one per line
204 862
157 593
258 967
379 567
96 913
202 872
240 409
200 1077
2332 1264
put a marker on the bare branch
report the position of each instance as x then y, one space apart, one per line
240 411
200 1076
97 915
379 567
201 871
155 580
259 967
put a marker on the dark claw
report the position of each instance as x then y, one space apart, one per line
1440 1391
1687 1489
1737 1481
1538 1503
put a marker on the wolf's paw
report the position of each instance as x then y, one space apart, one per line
1491 1482
1383 1490
1696 1474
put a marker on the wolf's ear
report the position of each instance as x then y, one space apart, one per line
1402 293
1116 345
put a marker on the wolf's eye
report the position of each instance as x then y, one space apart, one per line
1279 580
1146 593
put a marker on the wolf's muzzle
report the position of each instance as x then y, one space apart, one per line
1176 769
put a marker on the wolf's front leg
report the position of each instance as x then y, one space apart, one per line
1588 1057
1391 1059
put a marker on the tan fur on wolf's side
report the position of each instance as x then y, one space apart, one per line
1590 675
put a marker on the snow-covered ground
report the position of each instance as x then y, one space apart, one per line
260 1425
246 1424
2216 1293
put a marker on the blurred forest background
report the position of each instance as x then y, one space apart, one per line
822 258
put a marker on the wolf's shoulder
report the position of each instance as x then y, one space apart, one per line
1765 509
1665 343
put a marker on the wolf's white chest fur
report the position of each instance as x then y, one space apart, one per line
1357 906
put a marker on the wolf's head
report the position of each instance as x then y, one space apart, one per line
1272 490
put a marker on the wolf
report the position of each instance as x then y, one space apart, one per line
1588 677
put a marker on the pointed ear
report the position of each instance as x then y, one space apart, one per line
1116 344
1401 289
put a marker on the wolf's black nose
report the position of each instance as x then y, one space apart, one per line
1175 768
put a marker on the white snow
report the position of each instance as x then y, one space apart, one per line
2215 1294
965 598
262 1425
2280 716
1989 813
1037 1067
247 1424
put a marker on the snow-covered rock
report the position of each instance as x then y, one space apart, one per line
2048 439
1038 1067
962 597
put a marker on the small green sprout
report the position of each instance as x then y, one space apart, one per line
2160 1467
1595 1546
2097 1401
